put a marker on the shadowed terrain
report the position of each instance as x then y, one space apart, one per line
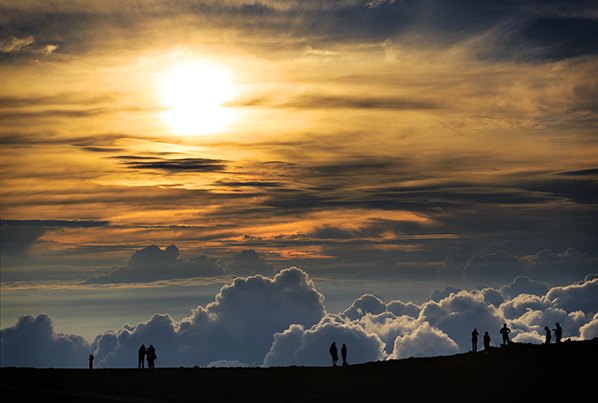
519 372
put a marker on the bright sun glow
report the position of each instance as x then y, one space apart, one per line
194 94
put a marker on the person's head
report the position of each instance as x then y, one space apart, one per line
504 325
486 333
557 324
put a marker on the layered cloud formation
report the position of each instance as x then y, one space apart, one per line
282 321
153 264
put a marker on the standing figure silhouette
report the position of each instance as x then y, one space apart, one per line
474 340
344 355
141 356
558 333
151 356
547 341
334 353
91 357
486 341
505 334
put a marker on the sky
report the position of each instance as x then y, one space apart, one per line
242 182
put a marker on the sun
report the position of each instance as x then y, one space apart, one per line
194 94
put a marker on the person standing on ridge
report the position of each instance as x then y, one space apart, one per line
334 353
547 341
344 355
558 333
141 357
505 334
151 356
474 340
486 341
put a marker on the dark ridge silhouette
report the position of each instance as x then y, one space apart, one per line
514 373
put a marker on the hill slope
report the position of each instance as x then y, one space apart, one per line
519 372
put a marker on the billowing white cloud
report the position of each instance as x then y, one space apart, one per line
438 295
300 346
425 341
590 329
519 305
238 325
400 308
571 306
574 297
363 305
282 321
458 314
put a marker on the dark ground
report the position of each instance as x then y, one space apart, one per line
520 372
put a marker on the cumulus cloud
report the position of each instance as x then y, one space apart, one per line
238 325
152 264
438 295
400 308
363 305
572 306
574 297
500 262
282 321
425 341
300 346
33 342
523 285
590 329
249 262
558 266
498 266
458 314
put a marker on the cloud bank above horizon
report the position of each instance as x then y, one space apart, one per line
258 321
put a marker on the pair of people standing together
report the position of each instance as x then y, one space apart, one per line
474 340
334 353
558 333
150 353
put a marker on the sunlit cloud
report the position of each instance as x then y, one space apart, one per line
374 142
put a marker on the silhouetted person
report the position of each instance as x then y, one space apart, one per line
91 357
141 355
486 341
474 340
558 333
505 334
151 356
547 341
344 355
334 353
